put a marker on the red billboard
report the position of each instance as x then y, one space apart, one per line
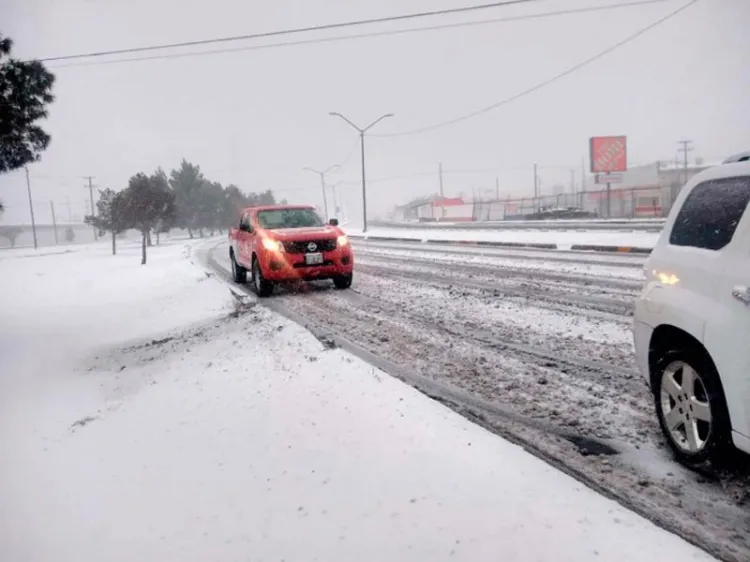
608 154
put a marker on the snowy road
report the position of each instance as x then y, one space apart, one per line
544 339
147 413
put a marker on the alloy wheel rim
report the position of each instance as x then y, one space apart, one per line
685 408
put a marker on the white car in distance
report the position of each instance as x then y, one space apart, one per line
692 319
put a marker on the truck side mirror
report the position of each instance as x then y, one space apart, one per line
245 227
333 222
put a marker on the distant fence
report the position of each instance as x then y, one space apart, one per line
652 201
630 203
22 236
645 225
82 234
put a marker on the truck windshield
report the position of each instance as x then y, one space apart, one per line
289 218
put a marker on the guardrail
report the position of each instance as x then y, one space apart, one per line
609 249
644 225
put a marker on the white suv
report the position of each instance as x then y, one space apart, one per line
692 320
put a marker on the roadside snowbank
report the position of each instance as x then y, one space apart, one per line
563 239
159 427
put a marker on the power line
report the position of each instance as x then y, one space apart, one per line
324 27
546 82
487 171
362 35
350 153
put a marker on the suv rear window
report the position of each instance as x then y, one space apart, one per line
711 212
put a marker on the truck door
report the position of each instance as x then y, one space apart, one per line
245 237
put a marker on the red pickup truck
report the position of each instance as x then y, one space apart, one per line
280 243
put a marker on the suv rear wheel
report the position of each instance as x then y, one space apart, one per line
691 407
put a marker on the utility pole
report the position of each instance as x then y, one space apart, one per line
685 148
362 132
54 220
70 210
572 180
497 189
536 189
442 194
583 181
583 173
91 197
31 206
341 203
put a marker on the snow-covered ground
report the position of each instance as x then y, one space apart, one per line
563 239
147 414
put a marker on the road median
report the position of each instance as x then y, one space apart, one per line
619 249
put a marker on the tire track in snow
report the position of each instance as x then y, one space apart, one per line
614 309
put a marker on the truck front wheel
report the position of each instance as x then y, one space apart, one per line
343 281
263 287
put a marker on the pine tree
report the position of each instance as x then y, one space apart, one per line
25 93
110 215
146 202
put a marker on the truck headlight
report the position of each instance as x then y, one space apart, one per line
342 241
273 245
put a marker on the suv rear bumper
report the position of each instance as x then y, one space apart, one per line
642 340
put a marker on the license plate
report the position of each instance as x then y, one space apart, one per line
313 259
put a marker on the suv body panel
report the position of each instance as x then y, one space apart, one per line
691 288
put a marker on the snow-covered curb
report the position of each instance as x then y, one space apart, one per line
172 421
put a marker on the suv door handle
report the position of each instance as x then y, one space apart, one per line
742 294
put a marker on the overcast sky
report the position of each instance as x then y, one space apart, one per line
256 118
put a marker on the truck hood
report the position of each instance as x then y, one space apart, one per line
297 234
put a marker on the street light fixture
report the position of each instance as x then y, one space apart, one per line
323 185
362 132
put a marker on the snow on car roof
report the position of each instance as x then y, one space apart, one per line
741 157
730 169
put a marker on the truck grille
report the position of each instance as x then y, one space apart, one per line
304 247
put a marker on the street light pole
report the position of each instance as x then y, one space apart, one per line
323 185
335 201
31 206
362 132
364 183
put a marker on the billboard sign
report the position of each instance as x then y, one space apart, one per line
608 154
609 178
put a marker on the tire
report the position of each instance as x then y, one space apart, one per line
263 287
694 418
239 273
343 281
